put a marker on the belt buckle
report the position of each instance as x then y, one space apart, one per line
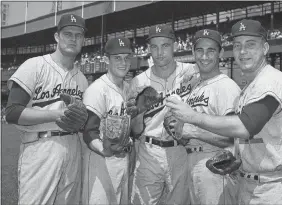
45 134
127 149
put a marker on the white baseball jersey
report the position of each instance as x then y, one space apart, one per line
215 96
44 80
55 162
262 155
105 179
259 156
162 168
175 84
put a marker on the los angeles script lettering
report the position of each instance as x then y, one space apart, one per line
39 94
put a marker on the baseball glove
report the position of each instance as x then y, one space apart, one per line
115 132
74 116
141 100
223 163
173 126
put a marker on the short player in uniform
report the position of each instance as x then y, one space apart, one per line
49 169
257 124
161 173
206 187
105 175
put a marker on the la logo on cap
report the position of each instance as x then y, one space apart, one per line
158 30
206 33
73 19
121 43
242 27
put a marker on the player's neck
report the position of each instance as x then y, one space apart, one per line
65 62
206 76
117 81
165 71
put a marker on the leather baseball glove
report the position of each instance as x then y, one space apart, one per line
141 100
74 116
223 163
115 132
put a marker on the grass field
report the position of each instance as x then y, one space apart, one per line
10 146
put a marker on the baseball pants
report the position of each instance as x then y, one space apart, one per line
105 180
49 171
206 187
255 192
160 175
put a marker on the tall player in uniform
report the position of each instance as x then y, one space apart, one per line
161 169
258 120
105 176
49 169
206 187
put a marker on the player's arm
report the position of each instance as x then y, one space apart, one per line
18 113
245 125
193 132
91 135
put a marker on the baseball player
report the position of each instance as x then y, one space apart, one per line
206 187
49 168
161 169
257 124
105 179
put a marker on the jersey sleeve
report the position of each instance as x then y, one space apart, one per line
27 74
226 97
94 99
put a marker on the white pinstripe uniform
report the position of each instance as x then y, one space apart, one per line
161 168
215 96
105 180
261 181
49 167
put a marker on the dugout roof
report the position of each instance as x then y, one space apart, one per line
128 15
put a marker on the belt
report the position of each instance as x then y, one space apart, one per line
194 149
48 134
262 177
160 143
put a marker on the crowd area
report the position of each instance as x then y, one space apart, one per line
181 44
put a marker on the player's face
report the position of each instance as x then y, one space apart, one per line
119 64
70 40
162 50
206 53
249 52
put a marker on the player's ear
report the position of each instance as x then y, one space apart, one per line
106 59
265 48
221 52
56 36
193 50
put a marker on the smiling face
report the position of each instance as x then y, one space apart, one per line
162 50
249 52
119 64
207 53
70 40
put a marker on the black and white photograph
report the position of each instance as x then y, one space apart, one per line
141 102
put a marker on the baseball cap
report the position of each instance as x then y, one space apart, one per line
207 33
248 27
118 46
161 31
71 20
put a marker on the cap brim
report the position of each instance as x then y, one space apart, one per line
220 43
160 35
246 34
84 28
121 51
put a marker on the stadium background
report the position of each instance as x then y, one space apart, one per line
28 27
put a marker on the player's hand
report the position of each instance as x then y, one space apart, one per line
181 110
131 108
